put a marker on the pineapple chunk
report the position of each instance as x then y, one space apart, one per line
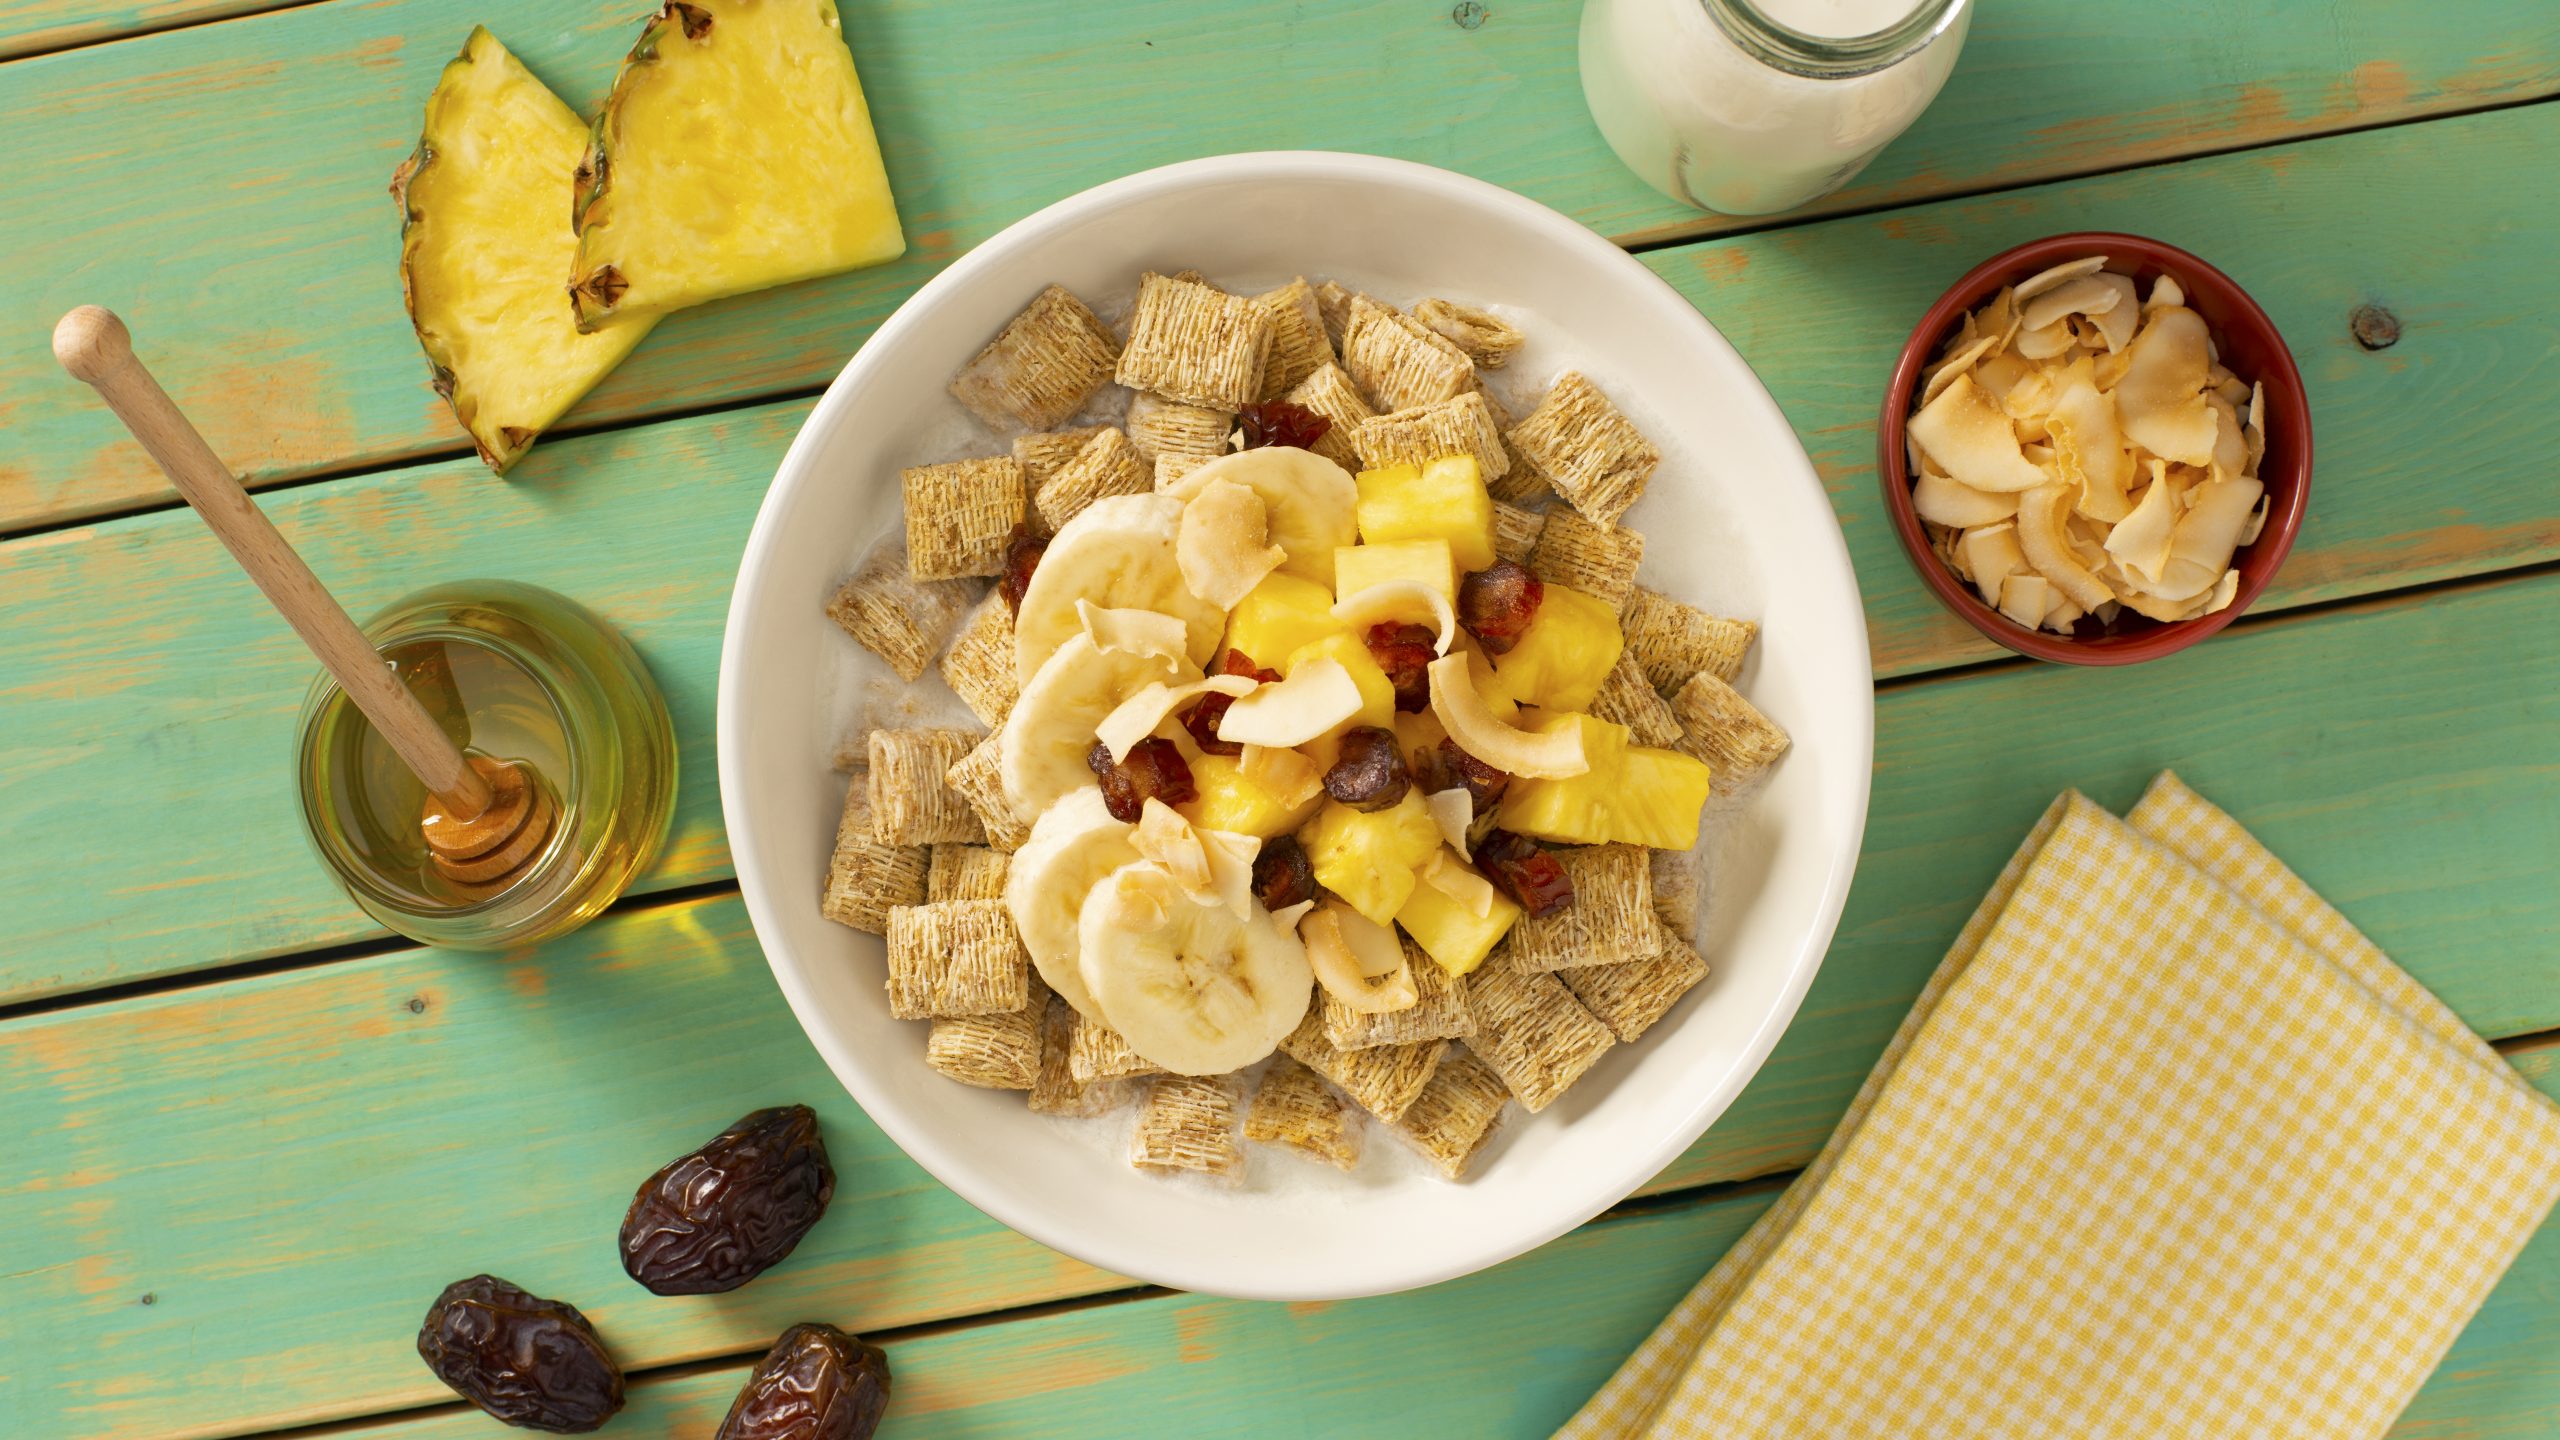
1444 500
1561 660
1371 859
1580 810
1357 567
1659 795
483 245
1377 692
1279 617
1229 800
1450 933
734 153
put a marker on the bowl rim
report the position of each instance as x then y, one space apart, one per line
2283 382
1594 1190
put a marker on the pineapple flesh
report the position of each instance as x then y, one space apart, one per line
484 245
1444 500
734 153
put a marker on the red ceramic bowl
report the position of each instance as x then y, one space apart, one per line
2249 345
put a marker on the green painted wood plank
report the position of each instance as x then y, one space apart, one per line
127 627
292 1164
35 27
2429 456
221 185
1510 1352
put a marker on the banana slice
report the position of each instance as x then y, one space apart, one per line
1312 504
1073 845
1189 985
1054 724
1117 553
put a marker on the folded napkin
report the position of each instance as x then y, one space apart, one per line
2165 1148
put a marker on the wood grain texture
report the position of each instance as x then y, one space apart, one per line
2429 455
272 136
1509 1352
305 1158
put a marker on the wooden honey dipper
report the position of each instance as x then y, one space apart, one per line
483 818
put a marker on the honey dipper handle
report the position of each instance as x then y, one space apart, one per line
94 346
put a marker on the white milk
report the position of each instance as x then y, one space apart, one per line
1714 105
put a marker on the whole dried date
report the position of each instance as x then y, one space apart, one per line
1278 422
1023 550
1496 603
1520 869
527 1361
730 1211
1152 770
1371 774
1282 874
816 1383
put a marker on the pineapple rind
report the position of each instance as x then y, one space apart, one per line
735 153
483 248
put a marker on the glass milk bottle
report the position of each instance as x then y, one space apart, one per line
1754 106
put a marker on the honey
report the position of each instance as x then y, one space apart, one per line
518 674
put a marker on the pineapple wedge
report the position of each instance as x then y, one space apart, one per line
1571 645
1229 800
1371 859
483 245
734 153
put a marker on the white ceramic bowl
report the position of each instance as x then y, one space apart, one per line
1735 520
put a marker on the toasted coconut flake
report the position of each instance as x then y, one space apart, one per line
1944 501
1965 432
2054 339
2210 530
2161 400
1224 546
1555 754
1139 716
1231 857
1454 811
2086 295
1955 365
2088 447
2054 279
2025 597
1316 697
1410 601
1290 776
1359 962
2140 541
1472 892
2044 517
1137 632
1162 835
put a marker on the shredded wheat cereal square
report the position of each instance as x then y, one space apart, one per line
992 1052
911 802
1515 532
1533 1033
1329 393
1596 559
894 615
1381 1080
1438 1013
1333 306
1057 1091
979 665
1043 452
1292 1107
1488 339
1159 427
1108 465
1672 641
1194 344
1725 730
974 778
966 872
960 514
1460 426
1397 363
1626 699
1098 1052
1586 449
1298 344
867 879
1188 1122
1630 998
1042 367
1456 1113
1610 921
956 957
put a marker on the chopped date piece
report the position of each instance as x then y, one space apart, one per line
816 1383
1405 652
1371 774
1496 603
1527 874
1022 552
525 1360
1154 770
1277 422
1282 874
1202 721
719 1217
1446 767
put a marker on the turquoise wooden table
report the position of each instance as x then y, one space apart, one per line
247 1136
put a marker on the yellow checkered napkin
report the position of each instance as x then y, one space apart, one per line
2166 1148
